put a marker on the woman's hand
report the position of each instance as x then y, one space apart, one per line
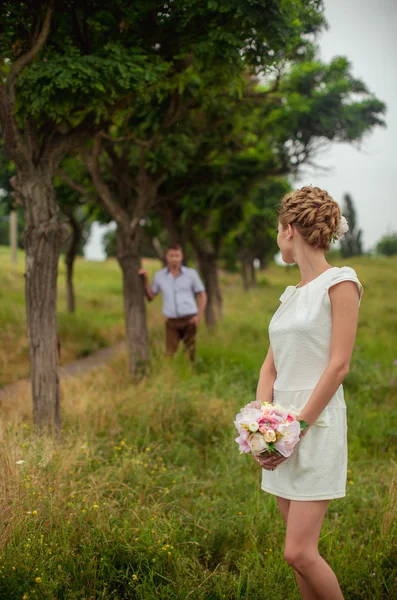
269 460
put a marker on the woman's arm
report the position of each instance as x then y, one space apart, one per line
267 377
344 307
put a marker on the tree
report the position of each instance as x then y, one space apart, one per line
207 49
255 236
64 67
387 245
271 131
351 242
79 216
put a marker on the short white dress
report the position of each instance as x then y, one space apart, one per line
300 336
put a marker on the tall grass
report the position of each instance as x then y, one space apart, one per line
97 322
146 496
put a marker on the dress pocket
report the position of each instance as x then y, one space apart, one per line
321 421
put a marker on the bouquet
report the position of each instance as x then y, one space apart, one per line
267 427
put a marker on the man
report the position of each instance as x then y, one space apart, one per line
179 286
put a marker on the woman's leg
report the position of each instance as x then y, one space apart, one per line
304 588
305 519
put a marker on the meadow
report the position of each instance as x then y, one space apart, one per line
146 496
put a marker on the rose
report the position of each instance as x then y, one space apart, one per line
270 419
253 426
257 443
270 436
263 429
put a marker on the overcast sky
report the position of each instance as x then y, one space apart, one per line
365 31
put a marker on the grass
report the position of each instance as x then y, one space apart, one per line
97 322
147 496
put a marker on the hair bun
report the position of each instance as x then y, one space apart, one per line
314 213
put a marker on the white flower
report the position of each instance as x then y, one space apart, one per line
253 426
257 443
344 226
342 229
20 462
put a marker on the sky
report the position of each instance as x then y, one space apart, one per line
365 31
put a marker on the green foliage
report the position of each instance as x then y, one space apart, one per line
255 235
67 87
387 245
109 244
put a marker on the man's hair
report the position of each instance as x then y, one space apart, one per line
174 247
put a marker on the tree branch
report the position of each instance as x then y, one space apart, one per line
16 148
172 196
103 190
126 138
27 58
75 185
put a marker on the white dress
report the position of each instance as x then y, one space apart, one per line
300 336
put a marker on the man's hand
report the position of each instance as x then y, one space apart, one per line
143 273
195 320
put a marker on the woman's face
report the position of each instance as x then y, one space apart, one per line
284 244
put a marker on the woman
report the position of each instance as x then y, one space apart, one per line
312 336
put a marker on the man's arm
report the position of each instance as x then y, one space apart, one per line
200 293
202 303
150 293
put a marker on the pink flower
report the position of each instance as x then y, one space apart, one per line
395 362
290 432
255 404
243 444
290 418
246 416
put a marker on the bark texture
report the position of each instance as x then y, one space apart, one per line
43 238
134 302
208 267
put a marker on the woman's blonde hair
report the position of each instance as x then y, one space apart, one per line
314 213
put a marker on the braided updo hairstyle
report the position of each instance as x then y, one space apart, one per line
314 213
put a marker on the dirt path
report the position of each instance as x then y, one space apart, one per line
82 365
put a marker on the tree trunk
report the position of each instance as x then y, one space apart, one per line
134 301
262 263
70 257
253 273
245 273
43 238
208 268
